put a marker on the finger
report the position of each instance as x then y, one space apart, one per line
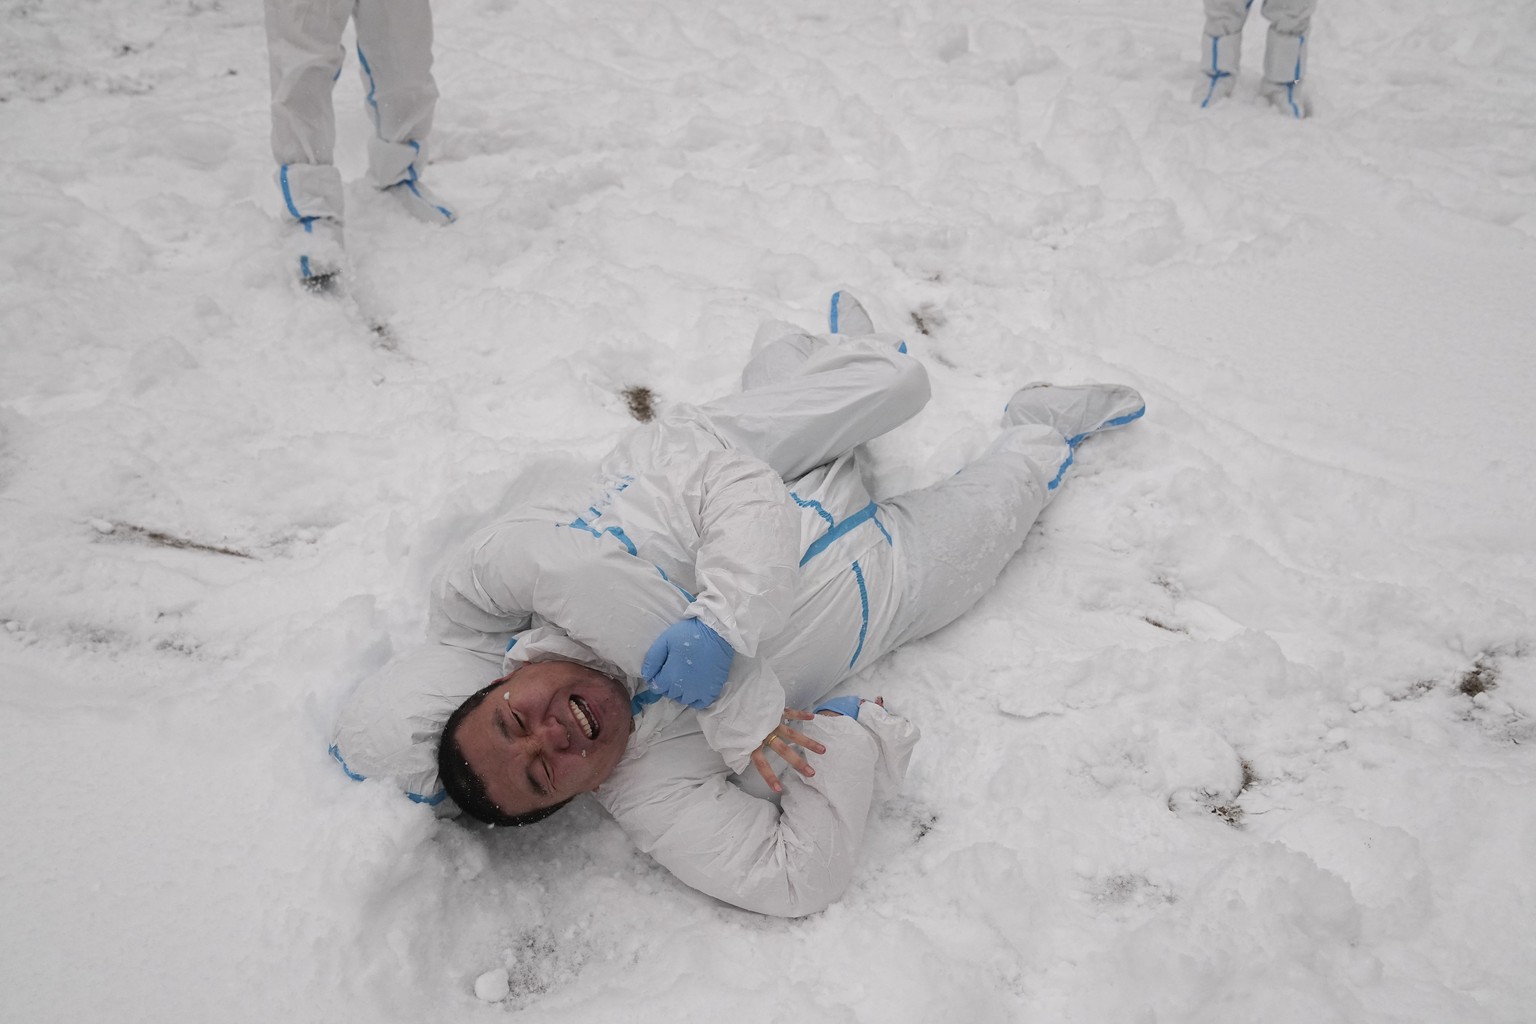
801 738
796 713
655 658
760 762
791 756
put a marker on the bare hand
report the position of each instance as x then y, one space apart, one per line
779 742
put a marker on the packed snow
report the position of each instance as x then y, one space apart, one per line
1246 733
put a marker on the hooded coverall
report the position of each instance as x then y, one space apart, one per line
750 514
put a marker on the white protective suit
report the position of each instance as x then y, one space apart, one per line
394 51
1285 48
808 581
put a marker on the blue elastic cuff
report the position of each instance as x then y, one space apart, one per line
842 705
642 700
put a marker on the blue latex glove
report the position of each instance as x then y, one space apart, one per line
688 663
842 705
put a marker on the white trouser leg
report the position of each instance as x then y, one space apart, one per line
1285 48
394 49
1221 49
809 400
956 536
1225 17
1222 55
1285 57
1290 17
304 55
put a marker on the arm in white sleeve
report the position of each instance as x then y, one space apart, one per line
492 588
601 596
520 571
749 708
748 555
788 860
517 570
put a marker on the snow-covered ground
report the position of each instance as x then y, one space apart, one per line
1248 732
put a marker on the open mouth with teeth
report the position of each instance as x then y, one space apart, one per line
586 720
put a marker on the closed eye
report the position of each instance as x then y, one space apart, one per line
522 729
537 786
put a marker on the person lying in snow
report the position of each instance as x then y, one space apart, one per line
653 638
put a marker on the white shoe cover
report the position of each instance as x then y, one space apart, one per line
315 247
420 202
1290 98
1285 68
1221 56
848 316
1212 89
1075 411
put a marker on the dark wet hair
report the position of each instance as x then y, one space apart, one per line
467 789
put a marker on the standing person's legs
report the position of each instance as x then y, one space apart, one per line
305 56
394 51
1225 17
1221 48
1285 54
1289 17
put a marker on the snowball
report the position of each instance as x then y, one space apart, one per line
493 985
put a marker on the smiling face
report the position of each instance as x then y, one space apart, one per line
545 733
